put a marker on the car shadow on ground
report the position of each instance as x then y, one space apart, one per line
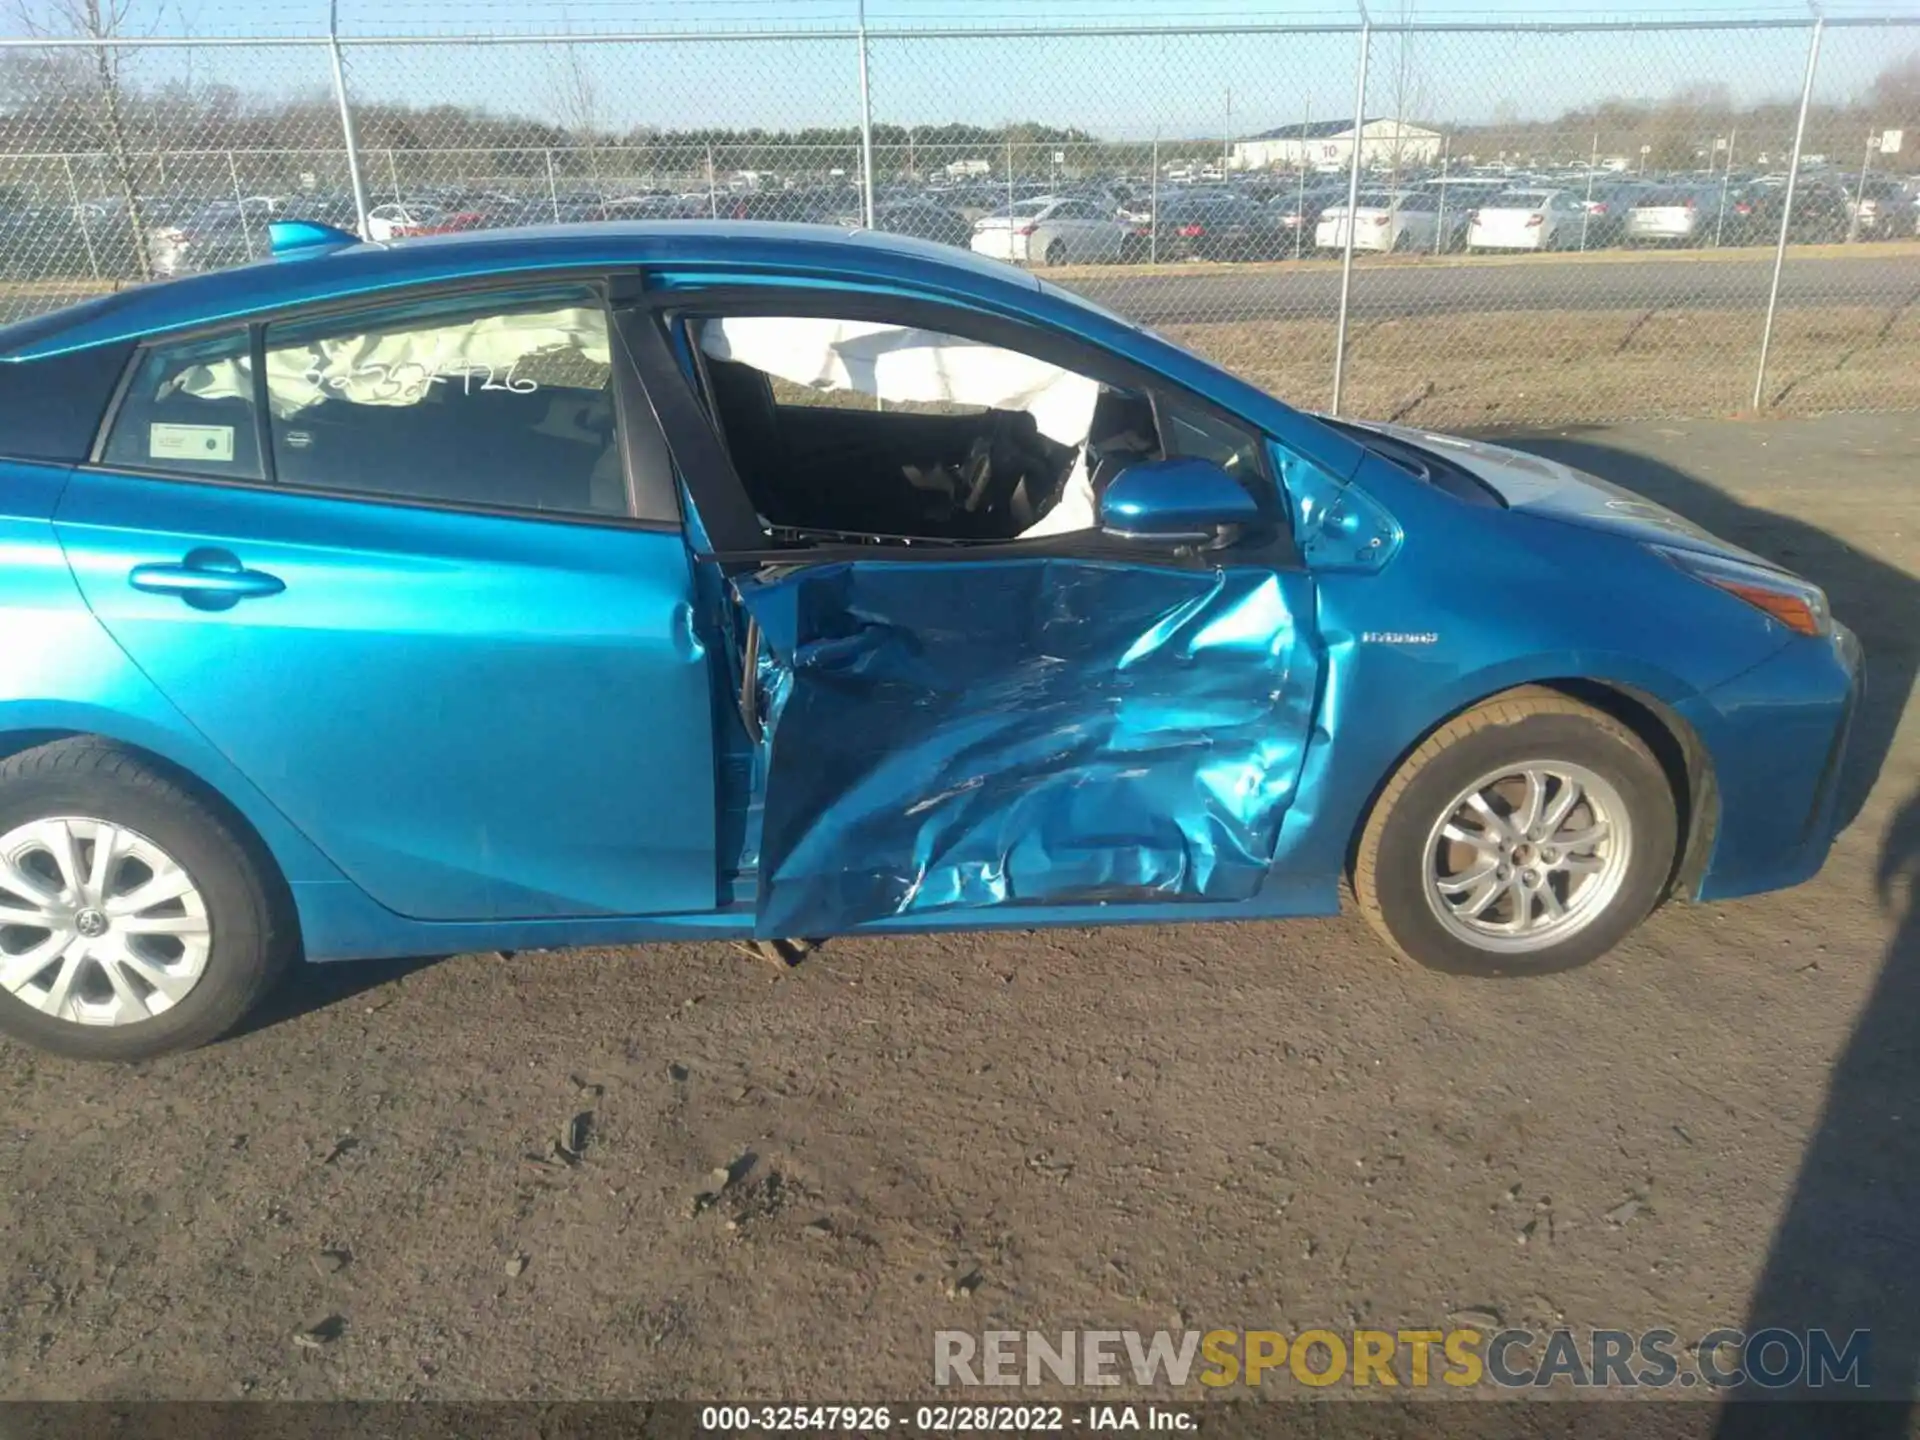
1843 1255
309 988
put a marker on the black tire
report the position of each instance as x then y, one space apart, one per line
1389 872
250 940
1054 254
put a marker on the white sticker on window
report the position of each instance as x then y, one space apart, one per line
190 442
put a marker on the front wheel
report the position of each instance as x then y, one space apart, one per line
133 921
1530 834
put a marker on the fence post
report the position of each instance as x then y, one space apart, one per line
1353 204
553 190
1786 210
713 193
1153 205
1300 189
1586 207
1860 191
1726 178
80 217
240 203
866 125
346 117
1446 160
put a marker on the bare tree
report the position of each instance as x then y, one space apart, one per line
1407 93
98 93
577 99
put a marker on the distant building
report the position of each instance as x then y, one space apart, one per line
1328 145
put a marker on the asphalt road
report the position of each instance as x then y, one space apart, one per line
1393 288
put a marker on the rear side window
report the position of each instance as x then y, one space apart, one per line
188 408
53 405
505 401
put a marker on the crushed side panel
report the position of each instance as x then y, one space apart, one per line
949 736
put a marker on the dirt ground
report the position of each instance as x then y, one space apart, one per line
480 1177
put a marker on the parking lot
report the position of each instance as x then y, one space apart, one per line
675 1170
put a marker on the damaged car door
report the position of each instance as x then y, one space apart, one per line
951 735
1107 714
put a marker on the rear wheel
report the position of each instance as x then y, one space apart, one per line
1055 253
132 920
1530 834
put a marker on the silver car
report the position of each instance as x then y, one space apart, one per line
1674 214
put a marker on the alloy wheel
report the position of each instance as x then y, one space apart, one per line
1527 855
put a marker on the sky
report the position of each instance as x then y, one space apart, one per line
1117 86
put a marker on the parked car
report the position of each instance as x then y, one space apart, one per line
1455 199
1229 664
1297 211
1880 208
924 220
800 206
397 218
1210 227
1526 220
225 232
1821 215
1050 230
1383 220
1673 214
1607 209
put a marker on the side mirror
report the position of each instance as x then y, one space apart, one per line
1177 502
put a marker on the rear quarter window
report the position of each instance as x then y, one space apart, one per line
52 406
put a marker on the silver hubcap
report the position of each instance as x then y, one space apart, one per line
1528 855
98 925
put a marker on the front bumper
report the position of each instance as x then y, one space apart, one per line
1777 737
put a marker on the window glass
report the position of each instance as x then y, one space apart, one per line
1196 434
189 408
502 402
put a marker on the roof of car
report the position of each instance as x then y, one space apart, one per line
368 269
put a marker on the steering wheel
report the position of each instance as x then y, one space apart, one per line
999 460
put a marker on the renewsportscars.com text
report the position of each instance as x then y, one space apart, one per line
1510 1359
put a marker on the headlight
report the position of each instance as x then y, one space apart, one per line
1796 604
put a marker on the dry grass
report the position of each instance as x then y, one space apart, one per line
1616 255
1554 365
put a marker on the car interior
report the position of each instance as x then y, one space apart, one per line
549 449
863 462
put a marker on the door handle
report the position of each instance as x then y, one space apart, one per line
207 579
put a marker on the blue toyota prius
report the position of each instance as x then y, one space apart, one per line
615 583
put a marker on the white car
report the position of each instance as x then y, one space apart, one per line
1526 220
394 219
1383 220
1050 230
1673 212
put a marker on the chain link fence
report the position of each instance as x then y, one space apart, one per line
1446 224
